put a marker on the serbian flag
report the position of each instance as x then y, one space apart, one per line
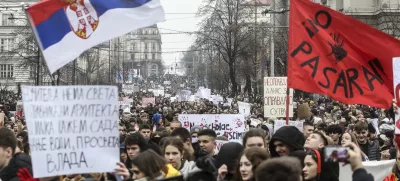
66 28
333 54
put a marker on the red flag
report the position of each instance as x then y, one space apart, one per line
333 54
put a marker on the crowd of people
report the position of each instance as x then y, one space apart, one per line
155 146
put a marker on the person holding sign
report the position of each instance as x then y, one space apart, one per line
11 162
134 144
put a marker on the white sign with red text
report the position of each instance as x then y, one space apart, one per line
230 125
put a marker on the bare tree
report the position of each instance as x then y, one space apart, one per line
229 35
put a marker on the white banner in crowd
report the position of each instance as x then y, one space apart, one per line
379 169
244 108
183 95
275 97
158 92
124 104
204 93
396 84
148 100
72 129
230 125
281 123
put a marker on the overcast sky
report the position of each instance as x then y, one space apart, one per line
180 15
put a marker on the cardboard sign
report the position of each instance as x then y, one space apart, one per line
275 97
230 125
280 123
72 129
148 100
244 108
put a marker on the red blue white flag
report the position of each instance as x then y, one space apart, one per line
66 28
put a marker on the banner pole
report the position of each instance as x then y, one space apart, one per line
287 105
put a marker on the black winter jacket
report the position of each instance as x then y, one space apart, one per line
20 160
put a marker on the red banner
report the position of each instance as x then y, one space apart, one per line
333 54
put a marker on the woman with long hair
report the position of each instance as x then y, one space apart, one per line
350 137
316 169
147 166
174 151
249 160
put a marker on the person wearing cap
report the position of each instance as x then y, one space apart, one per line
193 133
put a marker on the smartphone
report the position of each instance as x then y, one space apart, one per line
336 154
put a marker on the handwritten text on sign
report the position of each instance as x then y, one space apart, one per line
230 125
275 97
72 129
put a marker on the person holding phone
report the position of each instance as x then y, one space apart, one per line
316 169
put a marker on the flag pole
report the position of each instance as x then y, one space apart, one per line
287 105
37 42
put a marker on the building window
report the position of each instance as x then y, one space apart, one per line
6 44
153 56
145 56
154 69
5 20
145 46
31 46
132 56
153 46
145 32
6 71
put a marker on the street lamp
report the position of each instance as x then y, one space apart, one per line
273 12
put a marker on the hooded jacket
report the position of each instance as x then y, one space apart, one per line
19 160
229 155
288 135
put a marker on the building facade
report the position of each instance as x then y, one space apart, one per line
15 70
383 15
141 53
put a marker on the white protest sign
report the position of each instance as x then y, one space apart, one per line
379 169
275 97
230 125
280 123
72 129
158 92
396 84
148 100
244 108
124 104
